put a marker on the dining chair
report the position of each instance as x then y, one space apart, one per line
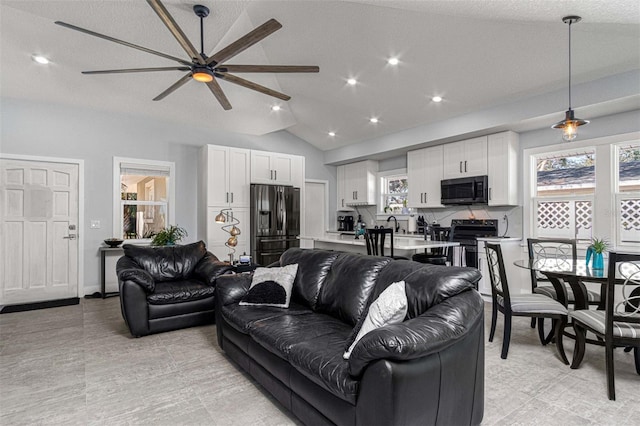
619 324
555 248
437 256
375 239
523 305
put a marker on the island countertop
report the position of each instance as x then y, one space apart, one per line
399 242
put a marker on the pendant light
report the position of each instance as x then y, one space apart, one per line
570 123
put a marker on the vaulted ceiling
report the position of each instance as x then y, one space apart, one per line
474 54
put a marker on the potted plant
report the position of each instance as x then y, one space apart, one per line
169 236
597 247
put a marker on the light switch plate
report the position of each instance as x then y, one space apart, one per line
95 224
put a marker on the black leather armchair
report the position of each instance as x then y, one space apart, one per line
167 288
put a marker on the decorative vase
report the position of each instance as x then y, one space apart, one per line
598 261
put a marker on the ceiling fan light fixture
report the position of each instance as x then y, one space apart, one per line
202 74
570 124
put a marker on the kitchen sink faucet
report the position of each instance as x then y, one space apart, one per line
397 228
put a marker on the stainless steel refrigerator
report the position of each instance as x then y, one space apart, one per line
275 221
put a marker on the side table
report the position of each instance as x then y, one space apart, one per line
103 254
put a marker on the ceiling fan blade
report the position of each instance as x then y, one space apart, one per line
268 68
173 87
177 32
253 86
137 70
219 94
124 43
245 41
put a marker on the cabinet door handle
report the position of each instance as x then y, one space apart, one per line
461 167
232 197
465 166
426 197
421 195
489 194
227 197
343 202
275 175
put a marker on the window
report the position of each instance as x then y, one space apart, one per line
394 191
564 190
628 194
143 192
585 189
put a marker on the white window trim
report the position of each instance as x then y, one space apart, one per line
604 222
380 214
117 202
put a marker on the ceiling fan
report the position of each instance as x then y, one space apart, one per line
203 68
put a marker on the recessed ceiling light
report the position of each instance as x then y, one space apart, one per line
332 134
275 108
40 59
373 120
436 99
352 81
393 61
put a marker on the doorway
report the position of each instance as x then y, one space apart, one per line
316 204
40 216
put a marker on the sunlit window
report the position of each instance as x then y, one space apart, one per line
144 199
394 191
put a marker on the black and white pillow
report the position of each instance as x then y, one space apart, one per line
271 287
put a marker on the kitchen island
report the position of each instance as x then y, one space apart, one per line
403 245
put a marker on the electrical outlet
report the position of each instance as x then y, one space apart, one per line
95 224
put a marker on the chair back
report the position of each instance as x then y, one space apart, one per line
545 248
624 270
375 238
497 274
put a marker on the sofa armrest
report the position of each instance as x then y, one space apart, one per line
433 331
128 270
232 288
210 268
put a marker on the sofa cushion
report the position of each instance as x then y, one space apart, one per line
167 263
179 291
279 334
271 287
242 317
348 286
313 268
320 360
432 284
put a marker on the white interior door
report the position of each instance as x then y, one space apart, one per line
315 211
38 231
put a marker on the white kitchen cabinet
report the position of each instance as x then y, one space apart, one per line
424 172
502 160
465 158
341 201
228 176
359 180
217 237
276 168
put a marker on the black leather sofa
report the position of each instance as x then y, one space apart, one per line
427 370
167 288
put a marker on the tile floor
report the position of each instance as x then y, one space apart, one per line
78 365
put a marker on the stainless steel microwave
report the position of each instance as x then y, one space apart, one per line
469 190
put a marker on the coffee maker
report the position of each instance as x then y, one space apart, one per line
345 223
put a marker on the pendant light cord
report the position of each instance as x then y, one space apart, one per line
569 64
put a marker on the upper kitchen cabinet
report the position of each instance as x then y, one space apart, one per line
358 181
341 190
465 158
503 164
277 169
424 172
227 176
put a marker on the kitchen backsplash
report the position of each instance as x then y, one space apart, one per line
512 226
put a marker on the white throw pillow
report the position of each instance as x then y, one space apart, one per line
271 287
389 308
